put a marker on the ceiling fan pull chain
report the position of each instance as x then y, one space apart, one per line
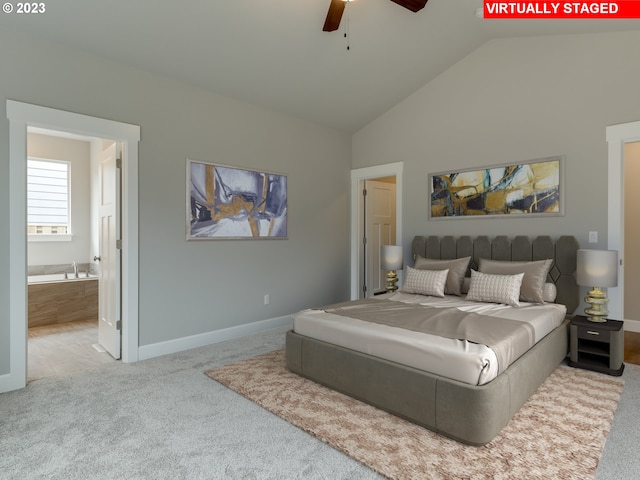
346 25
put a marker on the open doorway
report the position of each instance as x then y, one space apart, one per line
69 298
623 151
376 219
631 282
379 203
21 117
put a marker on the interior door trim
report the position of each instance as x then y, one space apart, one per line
358 176
21 116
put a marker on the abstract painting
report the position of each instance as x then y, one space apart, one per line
531 188
234 203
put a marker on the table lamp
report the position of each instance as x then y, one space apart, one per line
597 269
391 259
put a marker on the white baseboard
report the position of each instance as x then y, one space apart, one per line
632 326
186 343
10 382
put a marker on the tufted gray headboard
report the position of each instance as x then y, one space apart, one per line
520 248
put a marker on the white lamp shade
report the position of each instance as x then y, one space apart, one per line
597 268
391 257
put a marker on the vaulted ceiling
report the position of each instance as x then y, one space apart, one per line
274 53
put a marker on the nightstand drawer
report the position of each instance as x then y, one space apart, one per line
588 333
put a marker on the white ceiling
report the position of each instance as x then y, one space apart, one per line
274 53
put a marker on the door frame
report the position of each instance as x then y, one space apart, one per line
21 116
358 176
617 136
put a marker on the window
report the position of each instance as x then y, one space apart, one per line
47 197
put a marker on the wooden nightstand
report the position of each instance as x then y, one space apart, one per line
597 346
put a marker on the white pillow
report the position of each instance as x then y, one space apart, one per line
549 295
425 282
486 287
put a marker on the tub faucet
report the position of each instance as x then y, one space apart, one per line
75 268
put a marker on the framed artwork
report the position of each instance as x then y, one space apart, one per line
533 188
234 203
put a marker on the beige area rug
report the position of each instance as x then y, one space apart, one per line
558 434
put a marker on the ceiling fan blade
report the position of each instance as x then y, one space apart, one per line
413 5
334 15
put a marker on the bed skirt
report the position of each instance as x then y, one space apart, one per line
467 413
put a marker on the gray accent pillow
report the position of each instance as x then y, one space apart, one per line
550 292
457 270
535 275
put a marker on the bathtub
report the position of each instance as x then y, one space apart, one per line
53 300
58 277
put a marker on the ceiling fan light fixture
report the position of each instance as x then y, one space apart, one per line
413 5
336 8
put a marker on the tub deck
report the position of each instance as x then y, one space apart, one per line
58 277
53 300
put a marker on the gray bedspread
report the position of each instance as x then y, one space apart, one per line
509 339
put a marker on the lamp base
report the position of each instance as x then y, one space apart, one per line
597 299
392 281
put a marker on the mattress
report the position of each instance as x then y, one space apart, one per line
460 360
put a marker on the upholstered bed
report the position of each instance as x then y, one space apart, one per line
469 411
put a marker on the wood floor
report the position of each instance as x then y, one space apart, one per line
632 347
64 349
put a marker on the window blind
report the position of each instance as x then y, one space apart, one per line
47 196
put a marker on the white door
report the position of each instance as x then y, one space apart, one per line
380 229
109 327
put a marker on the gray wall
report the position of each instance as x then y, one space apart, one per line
188 288
513 100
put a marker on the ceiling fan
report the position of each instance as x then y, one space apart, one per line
334 15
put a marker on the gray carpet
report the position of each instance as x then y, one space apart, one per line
163 418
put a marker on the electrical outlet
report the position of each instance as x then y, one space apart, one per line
267 299
593 237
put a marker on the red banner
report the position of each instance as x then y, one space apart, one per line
562 9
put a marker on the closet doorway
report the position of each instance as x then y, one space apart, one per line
379 201
631 281
624 157
376 219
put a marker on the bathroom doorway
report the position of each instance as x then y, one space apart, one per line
21 117
72 302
